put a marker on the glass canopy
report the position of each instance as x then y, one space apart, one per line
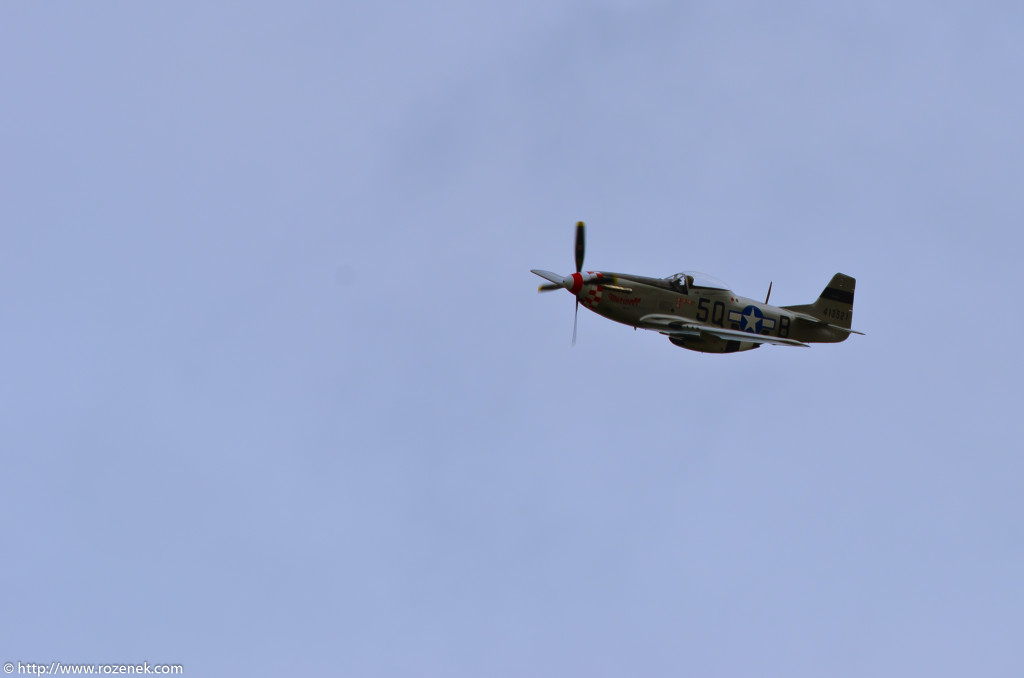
697 279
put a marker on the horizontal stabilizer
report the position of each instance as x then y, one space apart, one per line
819 322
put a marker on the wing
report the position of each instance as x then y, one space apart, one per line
674 325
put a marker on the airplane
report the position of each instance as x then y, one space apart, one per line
698 312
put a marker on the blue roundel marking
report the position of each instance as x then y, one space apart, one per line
752 319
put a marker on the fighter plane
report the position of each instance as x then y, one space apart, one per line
697 312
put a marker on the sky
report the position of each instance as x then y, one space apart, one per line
278 394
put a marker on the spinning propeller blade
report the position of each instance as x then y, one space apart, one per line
581 245
581 248
575 319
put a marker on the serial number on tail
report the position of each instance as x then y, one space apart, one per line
836 314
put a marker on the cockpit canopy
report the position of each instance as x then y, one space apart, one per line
696 279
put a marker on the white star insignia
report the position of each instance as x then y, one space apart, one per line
750 322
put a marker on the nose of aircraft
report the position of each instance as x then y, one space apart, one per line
573 282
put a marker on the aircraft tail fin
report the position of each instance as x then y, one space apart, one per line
835 305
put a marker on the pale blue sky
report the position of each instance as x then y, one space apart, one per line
279 396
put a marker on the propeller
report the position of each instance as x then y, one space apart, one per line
581 248
557 282
571 282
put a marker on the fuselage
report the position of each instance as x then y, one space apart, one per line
628 299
